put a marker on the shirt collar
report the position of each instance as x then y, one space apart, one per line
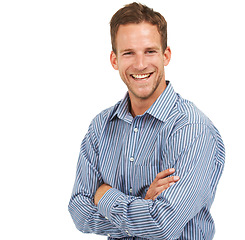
122 109
160 109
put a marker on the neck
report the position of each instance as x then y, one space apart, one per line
139 106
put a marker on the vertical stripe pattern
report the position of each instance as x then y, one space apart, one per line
127 153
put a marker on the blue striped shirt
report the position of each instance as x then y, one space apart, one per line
127 153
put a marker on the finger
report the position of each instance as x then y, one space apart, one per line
155 191
161 189
165 173
167 180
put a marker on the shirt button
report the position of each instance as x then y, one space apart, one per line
130 190
131 159
136 130
108 235
106 218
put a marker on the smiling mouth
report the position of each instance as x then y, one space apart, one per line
141 76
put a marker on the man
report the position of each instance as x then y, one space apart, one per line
123 188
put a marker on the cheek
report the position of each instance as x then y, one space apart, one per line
158 60
123 75
124 68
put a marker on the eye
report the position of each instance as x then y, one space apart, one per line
127 53
151 52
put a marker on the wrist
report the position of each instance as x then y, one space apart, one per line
108 201
100 192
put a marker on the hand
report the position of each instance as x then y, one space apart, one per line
100 192
161 183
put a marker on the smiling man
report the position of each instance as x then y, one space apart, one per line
140 58
149 166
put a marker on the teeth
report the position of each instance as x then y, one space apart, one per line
141 76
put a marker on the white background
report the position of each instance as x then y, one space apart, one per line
56 76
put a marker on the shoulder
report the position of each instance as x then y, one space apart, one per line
191 124
188 115
101 119
191 112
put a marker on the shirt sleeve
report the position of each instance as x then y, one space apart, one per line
197 156
81 206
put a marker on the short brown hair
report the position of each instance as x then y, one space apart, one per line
137 13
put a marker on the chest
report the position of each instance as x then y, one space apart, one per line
131 155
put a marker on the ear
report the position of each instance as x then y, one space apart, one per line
113 59
167 55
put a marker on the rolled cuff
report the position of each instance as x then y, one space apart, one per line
106 203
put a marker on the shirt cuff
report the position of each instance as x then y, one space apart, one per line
106 203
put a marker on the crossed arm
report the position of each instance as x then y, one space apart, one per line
160 183
162 214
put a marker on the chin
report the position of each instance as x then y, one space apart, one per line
142 96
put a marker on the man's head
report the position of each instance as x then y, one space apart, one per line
140 52
137 13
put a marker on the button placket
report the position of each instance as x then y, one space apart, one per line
134 141
131 159
136 129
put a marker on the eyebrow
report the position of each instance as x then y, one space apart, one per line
147 49
152 48
126 50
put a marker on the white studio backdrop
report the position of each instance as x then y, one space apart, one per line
55 76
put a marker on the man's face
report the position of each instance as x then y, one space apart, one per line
140 60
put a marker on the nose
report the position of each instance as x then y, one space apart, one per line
140 63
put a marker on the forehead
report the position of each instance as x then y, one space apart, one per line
142 35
